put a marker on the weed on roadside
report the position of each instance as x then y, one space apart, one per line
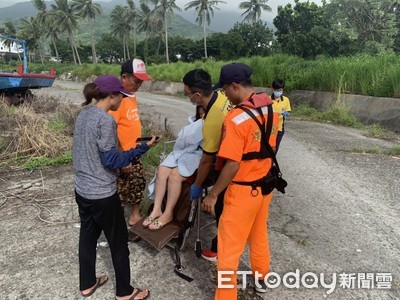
304 110
337 115
57 125
376 131
42 161
395 150
36 132
340 115
373 150
357 150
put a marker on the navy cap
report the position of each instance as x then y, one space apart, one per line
111 84
234 72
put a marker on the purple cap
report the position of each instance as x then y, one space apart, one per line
111 84
234 72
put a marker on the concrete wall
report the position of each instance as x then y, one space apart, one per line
385 111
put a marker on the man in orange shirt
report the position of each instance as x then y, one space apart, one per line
244 218
131 182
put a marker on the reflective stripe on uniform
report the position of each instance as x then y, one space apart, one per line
244 116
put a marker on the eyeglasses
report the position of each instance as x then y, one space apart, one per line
187 95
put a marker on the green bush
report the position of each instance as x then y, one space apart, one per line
341 116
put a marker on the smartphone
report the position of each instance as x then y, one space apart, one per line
146 139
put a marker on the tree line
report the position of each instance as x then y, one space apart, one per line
305 29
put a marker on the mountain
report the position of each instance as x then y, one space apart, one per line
179 25
223 20
183 24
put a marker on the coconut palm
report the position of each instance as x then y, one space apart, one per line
52 31
48 28
65 16
253 10
10 31
88 9
133 14
148 23
165 9
121 26
32 31
40 5
205 10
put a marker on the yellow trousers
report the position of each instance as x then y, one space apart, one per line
244 219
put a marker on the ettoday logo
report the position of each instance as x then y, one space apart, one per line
310 280
291 280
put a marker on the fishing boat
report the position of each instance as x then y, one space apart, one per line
17 84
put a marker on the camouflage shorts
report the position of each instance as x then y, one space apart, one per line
131 185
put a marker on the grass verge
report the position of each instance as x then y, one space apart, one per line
337 115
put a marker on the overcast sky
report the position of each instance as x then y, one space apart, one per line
234 4
230 4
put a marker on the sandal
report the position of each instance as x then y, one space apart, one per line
100 281
148 221
157 224
136 293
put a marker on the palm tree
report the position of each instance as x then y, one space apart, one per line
88 9
204 9
68 21
52 31
121 27
253 10
40 5
50 28
32 31
165 8
10 31
148 23
132 16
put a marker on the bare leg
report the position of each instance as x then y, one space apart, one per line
174 190
135 214
163 174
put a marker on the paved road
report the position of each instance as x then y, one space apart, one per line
340 215
158 107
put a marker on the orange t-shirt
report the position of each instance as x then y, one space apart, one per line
241 135
128 120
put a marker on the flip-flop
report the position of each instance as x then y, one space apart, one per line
98 284
138 291
158 224
149 220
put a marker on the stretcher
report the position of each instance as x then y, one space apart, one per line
187 215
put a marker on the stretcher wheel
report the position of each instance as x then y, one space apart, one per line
198 248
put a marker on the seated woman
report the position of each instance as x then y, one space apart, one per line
180 164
